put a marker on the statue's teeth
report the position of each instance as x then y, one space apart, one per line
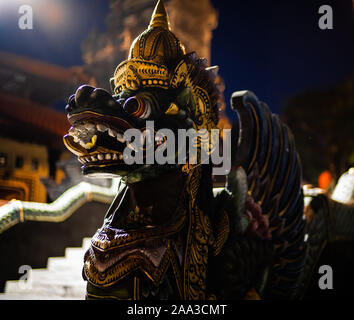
100 157
130 146
120 137
80 127
112 132
72 132
93 158
101 127
114 157
89 125
108 156
158 139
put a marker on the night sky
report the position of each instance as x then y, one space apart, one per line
274 48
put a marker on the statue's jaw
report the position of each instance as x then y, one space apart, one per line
98 142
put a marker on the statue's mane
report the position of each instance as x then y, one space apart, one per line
203 77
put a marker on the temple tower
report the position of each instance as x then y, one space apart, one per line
191 21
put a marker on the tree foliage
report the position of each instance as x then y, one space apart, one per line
323 122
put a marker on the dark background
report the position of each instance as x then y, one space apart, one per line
274 48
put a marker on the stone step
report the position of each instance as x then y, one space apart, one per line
73 259
62 279
10 296
56 293
75 254
44 275
43 281
47 289
59 263
86 242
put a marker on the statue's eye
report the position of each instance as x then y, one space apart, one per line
139 106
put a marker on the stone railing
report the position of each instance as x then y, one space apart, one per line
17 211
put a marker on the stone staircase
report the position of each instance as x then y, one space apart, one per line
61 280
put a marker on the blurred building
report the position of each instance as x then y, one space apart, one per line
191 21
30 131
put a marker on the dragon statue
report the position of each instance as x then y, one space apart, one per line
169 234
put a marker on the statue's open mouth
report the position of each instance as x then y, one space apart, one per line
98 140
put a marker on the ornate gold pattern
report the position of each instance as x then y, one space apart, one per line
199 240
160 17
136 293
105 246
157 43
134 73
157 59
222 233
134 262
125 267
151 54
102 241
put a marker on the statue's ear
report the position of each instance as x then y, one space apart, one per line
185 101
179 74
